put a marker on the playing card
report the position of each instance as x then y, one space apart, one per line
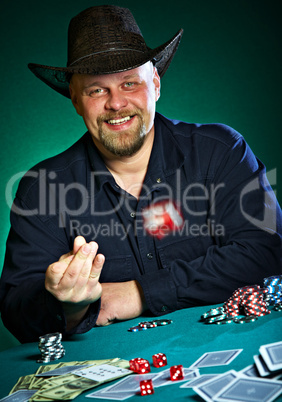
250 371
213 386
131 383
116 396
198 381
272 355
219 358
261 366
22 395
61 371
104 372
249 389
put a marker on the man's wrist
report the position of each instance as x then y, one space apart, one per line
74 313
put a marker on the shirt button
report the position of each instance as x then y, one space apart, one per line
164 308
132 214
149 256
159 180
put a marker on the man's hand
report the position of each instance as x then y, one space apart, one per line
120 301
74 279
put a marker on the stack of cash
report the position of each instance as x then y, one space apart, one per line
58 381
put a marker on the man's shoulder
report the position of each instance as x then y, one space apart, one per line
215 132
66 158
63 165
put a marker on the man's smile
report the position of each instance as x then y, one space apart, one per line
120 123
120 120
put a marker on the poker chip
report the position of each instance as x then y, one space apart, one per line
278 307
273 285
149 324
160 323
248 303
245 319
215 319
50 347
213 312
136 328
227 320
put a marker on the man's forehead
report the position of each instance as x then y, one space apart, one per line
135 72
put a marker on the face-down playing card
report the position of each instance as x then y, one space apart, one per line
272 355
249 389
219 358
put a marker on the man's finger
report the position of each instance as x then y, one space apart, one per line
56 271
71 274
78 242
97 267
86 269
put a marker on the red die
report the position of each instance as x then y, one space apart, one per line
176 373
146 387
159 360
139 365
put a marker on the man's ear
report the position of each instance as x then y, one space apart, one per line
74 100
157 82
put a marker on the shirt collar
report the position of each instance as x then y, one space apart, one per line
166 156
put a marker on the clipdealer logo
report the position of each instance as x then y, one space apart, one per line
53 198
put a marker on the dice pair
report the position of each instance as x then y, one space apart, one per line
142 366
176 373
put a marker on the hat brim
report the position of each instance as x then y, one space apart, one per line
107 63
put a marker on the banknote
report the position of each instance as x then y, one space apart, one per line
67 386
22 383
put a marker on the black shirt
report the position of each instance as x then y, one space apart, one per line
231 234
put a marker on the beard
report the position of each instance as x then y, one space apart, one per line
124 142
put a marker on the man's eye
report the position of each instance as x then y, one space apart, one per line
95 92
129 84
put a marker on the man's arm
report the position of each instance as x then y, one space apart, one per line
203 269
120 301
28 309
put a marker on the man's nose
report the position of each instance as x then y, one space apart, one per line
116 100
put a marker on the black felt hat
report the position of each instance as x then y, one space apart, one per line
105 40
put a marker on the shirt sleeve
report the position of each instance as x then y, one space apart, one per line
28 310
206 270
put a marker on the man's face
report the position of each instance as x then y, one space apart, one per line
118 109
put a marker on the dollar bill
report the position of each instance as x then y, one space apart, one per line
68 389
69 386
61 386
22 383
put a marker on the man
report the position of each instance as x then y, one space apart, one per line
142 213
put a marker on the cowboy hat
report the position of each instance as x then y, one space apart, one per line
105 40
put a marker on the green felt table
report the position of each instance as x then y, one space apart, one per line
183 342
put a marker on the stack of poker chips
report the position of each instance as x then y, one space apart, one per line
149 324
50 347
273 284
248 300
248 303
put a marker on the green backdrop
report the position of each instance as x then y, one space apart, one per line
227 69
